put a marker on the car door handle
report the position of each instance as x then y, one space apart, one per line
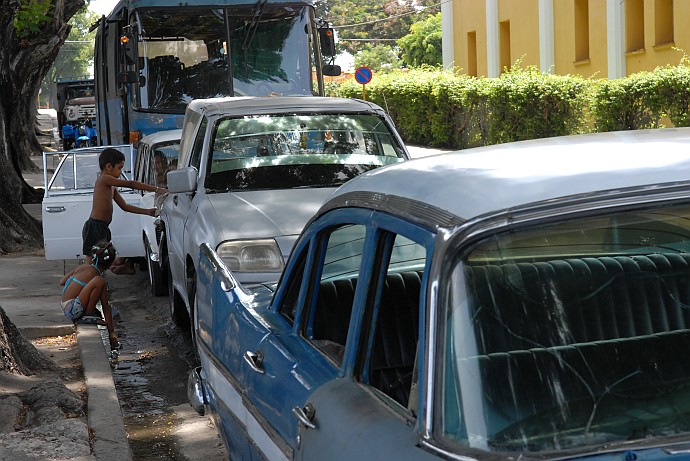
55 209
305 415
255 361
175 199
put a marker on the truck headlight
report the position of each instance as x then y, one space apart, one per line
251 255
71 113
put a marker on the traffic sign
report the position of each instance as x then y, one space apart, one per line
363 75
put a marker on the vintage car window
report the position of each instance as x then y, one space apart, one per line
334 294
78 170
294 151
391 365
565 336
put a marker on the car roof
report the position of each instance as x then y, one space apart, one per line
478 181
258 105
162 136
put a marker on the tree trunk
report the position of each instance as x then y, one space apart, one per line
23 64
17 354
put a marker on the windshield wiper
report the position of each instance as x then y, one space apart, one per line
210 190
254 24
314 186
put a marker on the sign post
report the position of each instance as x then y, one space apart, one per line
363 75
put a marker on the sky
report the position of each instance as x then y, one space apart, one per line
101 7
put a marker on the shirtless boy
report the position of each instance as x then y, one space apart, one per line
111 161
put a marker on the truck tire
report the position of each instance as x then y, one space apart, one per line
178 312
156 274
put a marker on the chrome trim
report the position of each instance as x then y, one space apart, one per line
227 281
55 209
444 453
153 256
195 391
427 403
305 415
254 360
681 449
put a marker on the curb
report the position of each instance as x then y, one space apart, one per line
47 331
104 414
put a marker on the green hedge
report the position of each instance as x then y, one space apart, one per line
443 109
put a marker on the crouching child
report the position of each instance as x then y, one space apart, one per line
85 285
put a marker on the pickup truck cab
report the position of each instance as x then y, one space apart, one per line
252 171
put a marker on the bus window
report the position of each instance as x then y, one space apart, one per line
183 54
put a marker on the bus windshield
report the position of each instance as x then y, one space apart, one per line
183 54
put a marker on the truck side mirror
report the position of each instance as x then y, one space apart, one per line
128 77
331 70
327 40
128 50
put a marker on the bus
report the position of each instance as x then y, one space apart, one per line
152 57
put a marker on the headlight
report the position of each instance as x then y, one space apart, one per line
71 113
251 255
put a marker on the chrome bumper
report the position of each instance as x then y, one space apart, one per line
195 391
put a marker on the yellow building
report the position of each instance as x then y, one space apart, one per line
602 38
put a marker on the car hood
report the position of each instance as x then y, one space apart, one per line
263 214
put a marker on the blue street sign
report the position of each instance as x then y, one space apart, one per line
363 75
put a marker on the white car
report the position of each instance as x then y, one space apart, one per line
68 198
156 155
252 171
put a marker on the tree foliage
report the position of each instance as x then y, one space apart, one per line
422 46
75 57
378 58
436 107
32 32
369 20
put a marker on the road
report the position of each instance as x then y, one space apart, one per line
151 378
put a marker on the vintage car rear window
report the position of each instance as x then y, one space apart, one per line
77 170
289 151
566 336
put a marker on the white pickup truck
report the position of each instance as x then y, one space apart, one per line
251 173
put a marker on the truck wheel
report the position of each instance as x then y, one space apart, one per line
156 275
178 312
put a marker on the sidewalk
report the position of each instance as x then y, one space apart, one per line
29 295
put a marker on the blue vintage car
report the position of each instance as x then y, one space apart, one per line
527 300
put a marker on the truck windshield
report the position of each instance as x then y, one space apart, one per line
291 151
567 336
183 54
